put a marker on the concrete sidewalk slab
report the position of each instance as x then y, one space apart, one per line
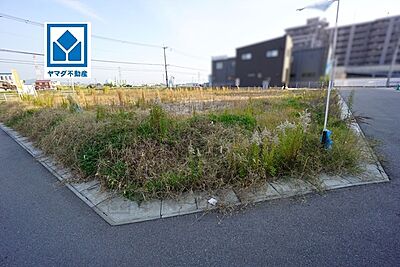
292 187
119 210
258 193
185 205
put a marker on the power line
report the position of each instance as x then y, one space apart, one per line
95 60
17 35
23 63
187 68
125 42
189 55
27 21
21 52
140 70
39 24
106 61
127 62
27 62
35 23
17 60
144 70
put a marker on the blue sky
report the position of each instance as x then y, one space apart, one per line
199 28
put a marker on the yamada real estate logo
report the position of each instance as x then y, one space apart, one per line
67 50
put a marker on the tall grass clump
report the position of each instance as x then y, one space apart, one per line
146 152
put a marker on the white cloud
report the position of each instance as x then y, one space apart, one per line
80 7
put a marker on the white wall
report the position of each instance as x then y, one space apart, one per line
366 82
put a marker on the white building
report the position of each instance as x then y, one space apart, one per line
7 77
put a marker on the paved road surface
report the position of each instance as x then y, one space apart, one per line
42 223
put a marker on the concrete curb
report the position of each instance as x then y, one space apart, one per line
117 210
356 127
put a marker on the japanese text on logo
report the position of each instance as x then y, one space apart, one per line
67 50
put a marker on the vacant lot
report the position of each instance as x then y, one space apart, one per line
150 143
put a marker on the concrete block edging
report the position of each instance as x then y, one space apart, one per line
117 210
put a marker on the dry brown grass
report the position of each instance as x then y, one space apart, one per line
144 96
209 139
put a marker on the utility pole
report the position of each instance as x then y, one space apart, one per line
37 69
165 65
119 74
394 60
73 85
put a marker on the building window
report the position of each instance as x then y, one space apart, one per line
272 53
308 74
247 56
219 65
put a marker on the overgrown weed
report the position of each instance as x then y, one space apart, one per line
145 152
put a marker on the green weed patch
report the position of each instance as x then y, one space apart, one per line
145 152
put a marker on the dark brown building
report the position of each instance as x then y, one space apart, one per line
223 71
266 63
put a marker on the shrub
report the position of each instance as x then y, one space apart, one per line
157 125
20 117
245 120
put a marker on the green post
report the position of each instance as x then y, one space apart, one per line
398 87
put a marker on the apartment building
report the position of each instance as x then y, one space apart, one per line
367 49
310 51
309 36
363 50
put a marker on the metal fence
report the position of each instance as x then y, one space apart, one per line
355 82
9 96
307 85
366 82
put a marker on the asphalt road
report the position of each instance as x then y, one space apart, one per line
43 223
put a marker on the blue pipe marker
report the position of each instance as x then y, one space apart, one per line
326 139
